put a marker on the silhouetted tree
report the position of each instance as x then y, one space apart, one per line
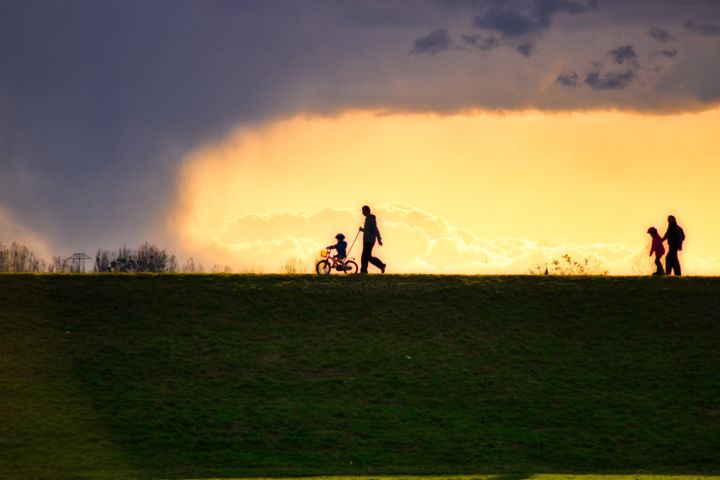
172 264
59 265
217 268
147 258
191 266
103 259
17 258
150 258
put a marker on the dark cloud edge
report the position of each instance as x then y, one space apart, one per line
680 107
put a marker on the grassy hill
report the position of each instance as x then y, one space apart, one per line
198 376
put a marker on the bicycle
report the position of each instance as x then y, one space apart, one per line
328 263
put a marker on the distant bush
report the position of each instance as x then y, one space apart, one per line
60 265
642 263
217 268
17 258
294 266
191 266
252 270
567 265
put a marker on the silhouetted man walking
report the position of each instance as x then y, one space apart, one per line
675 237
370 234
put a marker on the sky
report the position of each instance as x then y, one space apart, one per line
487 135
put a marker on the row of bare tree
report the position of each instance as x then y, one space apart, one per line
18 258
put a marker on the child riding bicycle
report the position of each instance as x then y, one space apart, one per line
340 247
339 262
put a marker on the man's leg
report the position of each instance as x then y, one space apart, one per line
377 262
365 257
678 271
669 263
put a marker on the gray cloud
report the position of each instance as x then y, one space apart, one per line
479 42
526 48
433 43
569 79
706 29
520 23
517 19
510 23
610 80
661 34
623 54
517 24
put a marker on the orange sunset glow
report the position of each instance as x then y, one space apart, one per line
468 193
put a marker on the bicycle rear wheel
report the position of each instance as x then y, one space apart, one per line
350 267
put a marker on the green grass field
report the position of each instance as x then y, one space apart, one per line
204 376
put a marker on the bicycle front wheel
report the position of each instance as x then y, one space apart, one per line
322 267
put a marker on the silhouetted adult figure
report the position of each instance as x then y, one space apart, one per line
370 234
675 237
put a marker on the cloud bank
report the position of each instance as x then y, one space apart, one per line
414 242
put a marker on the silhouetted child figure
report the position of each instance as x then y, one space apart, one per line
658 249
340 247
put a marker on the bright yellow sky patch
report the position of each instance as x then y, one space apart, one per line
581 178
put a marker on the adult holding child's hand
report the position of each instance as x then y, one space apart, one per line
370 234
675 237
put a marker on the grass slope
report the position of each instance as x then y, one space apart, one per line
202 376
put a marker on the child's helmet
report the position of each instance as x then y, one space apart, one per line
340 236
652 230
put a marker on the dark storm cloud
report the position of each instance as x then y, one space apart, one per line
526 49
569 79
479 42
511 23
521 23
521 18
661 35
517 24
104 97
610 80
101 99
433 43
596 79
623 54
706 29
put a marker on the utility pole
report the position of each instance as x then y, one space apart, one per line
77 261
